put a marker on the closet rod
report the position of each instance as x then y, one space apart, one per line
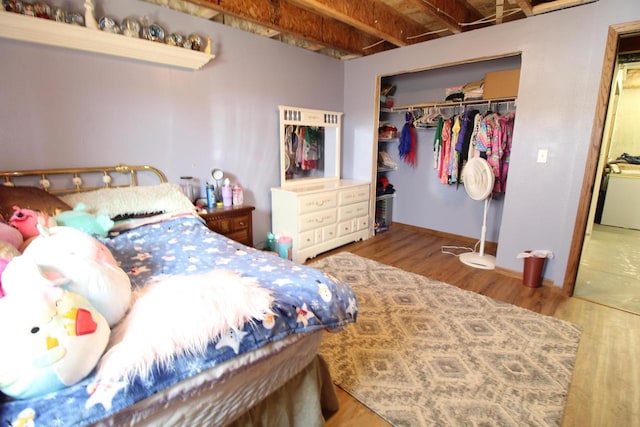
453 104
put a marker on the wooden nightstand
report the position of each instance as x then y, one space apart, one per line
233 222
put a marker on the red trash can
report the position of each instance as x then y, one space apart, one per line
533 267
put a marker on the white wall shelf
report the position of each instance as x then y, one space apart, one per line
36 30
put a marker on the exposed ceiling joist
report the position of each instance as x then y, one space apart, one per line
525 6
450 14
351 28
288 18
499 11
545 7
369 16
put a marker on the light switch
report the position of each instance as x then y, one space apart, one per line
542 155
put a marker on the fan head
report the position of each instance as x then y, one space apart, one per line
478 178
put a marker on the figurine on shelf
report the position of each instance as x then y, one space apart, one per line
131 27
89 18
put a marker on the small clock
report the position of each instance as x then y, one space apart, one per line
217 174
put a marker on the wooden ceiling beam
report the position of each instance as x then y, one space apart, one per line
284 17
185 7
525 6
557 5
499 11
370 16
449 13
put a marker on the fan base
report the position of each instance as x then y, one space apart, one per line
473 259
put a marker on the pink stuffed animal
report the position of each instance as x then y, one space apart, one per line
27 220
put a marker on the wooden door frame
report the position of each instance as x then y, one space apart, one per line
610 59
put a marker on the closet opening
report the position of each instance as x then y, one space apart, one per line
412 103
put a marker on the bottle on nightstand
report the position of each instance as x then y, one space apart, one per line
238 196
226 193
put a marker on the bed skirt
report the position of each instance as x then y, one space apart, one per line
291 385
308 399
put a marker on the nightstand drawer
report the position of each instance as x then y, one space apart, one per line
227 225
234 223
241 236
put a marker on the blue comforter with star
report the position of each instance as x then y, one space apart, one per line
305 300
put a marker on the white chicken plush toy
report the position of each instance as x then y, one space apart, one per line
52 338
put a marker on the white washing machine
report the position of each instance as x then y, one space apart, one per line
622 201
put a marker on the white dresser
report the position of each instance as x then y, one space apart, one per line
321 216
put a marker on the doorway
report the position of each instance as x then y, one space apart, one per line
586 237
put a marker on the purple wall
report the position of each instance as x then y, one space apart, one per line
62 107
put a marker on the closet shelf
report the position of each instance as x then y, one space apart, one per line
24 28
452 103
388 139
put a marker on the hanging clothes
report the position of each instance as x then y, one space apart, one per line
437 143
445 152
310 154
407 147
494 140
473 151
307 151
473 135
455 155
464 140
300 132
501 152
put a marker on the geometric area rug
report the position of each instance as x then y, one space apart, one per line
425 353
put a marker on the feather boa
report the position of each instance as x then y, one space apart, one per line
180 315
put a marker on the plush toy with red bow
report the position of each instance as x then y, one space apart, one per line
51 339
27 220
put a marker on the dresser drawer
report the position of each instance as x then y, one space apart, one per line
317 202
353 195
317 220
362 223
329 233
346 227
352 211
306 239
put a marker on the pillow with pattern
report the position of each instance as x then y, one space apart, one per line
129 202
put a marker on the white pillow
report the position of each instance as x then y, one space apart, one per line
133 201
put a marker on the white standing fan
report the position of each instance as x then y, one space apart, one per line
478 179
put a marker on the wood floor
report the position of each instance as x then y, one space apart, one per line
605 388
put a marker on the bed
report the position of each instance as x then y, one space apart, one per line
264 373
